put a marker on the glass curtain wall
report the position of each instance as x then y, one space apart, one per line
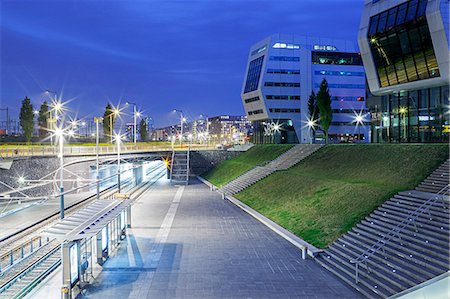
413 116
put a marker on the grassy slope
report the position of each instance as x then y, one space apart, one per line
329 192
230 169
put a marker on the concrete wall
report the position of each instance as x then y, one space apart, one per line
202 161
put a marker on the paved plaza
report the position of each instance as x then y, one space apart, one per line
186 242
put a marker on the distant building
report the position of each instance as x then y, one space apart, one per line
405 50
282 70
217 129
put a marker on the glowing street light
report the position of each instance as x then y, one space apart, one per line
359 122
114 113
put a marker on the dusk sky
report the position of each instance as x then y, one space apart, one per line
189 55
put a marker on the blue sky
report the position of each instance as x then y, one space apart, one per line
189 55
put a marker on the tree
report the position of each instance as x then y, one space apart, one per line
143 131
313 112
27 119
323 99
43 120
108 120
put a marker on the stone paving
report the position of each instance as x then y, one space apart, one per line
186 242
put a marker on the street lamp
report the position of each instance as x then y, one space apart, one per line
97 120
118 137
59 133
114 112
311 123
135 115
359 122
182 120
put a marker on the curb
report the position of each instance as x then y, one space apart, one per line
311 250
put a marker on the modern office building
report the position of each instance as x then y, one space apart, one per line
281 73
405 50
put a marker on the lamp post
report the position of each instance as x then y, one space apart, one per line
51 121
59 133
118 161
135 115
359 121
115 112
97 120
182 120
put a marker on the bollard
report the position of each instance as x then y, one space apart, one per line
40 241
65 292
31 245
223 195
304 252
11 258
21 252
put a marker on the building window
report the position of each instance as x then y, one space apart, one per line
340 58
284 110
284 58
254 99
282 71
282 97
254 112
324 48
401 45
348 86
259 50
338 73
281 84
254 72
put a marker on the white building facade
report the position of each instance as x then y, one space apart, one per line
281 73
405 50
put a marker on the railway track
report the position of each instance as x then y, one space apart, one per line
33 266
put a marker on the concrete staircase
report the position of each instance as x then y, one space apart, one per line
282 162
437 180
402 243
179 168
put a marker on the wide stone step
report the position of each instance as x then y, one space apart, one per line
372 280
363 287
359 248
366 240
392 273
401 212
439 227
374 230
427 232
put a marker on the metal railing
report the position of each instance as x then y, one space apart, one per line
395 232
14 152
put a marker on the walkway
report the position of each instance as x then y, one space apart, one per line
186 242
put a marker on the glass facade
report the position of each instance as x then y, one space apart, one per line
254 72
340 58
413 116
401 45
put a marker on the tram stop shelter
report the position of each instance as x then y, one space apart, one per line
92 232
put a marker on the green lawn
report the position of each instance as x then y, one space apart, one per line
232 168
326 194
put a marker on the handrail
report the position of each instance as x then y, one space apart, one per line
411 218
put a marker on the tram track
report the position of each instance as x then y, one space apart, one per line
30 269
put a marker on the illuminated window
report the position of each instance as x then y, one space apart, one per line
325 48
282 97
340 58
401 45
339 73
254 99
281 71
